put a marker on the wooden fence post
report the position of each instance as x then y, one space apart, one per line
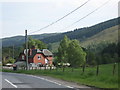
114 66
83 68
72 69
50 67
63 68
97 71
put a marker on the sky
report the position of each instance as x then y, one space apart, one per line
16 16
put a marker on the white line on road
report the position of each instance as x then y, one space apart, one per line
11 83
69 87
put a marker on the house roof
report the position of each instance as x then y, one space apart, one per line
45 52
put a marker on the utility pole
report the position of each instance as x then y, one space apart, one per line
13 51
26 49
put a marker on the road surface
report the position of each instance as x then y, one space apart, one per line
14 80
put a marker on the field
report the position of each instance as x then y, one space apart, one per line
105 78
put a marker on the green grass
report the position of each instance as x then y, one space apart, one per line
105 79
107 35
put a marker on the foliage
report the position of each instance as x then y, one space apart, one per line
91 58
70 51
62 50
7 53
83 33
36 43
9 60
80 34
76 55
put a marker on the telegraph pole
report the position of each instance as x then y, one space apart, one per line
26 49
13 51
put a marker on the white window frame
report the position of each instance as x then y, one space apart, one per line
39 57
23 57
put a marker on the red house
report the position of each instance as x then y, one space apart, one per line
37 56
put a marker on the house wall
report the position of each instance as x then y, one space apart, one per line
50 59
36 60
30 60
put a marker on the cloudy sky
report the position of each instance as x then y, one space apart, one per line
18 15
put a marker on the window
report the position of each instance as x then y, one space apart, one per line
22 57
39 57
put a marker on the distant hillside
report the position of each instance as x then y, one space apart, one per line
19 40
108 35
82 34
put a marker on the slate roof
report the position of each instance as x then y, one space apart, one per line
45 52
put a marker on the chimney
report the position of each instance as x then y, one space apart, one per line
33 47
30 51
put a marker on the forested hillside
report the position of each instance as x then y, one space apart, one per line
19 40
81 34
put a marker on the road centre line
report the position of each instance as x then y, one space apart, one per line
10 83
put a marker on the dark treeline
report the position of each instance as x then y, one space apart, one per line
83 33
103 53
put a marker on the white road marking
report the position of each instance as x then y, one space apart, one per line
11 83
69 87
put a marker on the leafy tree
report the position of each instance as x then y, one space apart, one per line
76 55
36 43
91 58
62 50
9 60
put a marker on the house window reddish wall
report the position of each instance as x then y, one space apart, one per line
36 60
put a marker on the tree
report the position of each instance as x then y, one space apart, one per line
9 60
76 55
62 50
91 58
36 43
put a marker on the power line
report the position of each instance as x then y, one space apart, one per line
61 17
87 15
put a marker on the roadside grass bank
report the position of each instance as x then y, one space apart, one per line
104 79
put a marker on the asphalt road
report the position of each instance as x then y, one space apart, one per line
13 80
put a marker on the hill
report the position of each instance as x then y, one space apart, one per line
19 40
82 34
108 35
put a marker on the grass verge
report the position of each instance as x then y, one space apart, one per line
105 78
